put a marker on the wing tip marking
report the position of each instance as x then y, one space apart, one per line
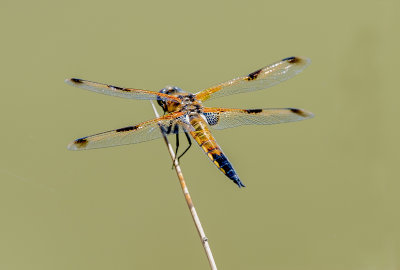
297 60
78 144
74 80
301 113
292 59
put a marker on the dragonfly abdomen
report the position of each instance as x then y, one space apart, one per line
203 137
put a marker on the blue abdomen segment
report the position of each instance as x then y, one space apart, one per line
222 162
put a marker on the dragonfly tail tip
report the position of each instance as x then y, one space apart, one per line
239 183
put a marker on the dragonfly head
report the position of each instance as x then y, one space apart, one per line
169 90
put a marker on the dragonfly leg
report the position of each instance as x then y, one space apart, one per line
190 144
166 131
177 146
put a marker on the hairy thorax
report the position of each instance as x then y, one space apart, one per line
188 104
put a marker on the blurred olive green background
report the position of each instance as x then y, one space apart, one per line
321 194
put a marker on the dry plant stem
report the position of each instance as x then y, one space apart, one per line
189 201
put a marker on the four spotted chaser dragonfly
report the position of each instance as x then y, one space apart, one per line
184 112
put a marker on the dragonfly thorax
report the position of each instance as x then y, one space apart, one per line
187 104
190 105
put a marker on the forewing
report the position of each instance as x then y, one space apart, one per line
111 90
257 80
145 131
220 118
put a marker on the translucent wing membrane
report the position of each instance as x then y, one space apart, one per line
220 118
149 130
118 91
257 80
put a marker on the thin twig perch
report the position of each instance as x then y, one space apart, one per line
189 201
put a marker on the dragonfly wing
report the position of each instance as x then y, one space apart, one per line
260 79
142 132
111 90
220 118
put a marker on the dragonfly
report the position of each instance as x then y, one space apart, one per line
184 113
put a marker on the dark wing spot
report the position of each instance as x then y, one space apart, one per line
253 75
292 59
298 112
254 111
126 129
82 142
115 87
76 80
